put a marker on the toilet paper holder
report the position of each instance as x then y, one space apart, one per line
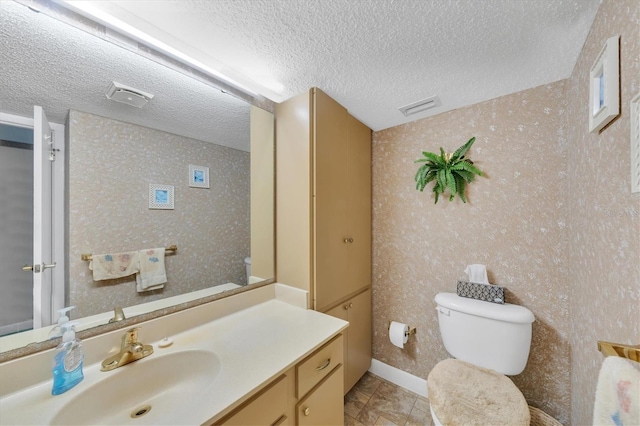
412 330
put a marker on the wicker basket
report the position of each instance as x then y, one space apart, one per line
540 418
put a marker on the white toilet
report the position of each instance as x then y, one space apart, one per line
489 341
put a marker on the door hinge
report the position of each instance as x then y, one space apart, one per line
52 148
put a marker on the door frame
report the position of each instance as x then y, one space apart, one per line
58 209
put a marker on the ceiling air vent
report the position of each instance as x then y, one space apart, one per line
420 106
128 95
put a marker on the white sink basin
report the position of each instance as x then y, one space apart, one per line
159 389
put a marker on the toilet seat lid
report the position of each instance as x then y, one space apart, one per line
462 393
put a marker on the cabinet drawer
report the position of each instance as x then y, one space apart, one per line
313 369
266 408
324 405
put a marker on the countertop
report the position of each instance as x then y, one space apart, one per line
254 344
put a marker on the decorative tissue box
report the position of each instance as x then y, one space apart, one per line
485 292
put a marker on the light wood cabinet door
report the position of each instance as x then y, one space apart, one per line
359 344
357 337
342 202
358 186
330 199
324 405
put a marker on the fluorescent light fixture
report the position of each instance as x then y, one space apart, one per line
85 8
420 106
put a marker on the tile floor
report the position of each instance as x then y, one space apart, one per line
376 402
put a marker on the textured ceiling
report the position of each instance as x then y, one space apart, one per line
375 56
52 64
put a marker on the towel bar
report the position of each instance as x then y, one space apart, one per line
618 349
169 250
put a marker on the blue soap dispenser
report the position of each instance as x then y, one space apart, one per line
68 360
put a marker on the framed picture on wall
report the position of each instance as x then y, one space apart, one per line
160 196
604 86
198 176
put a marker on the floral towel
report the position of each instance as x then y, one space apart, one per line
152 275
617 393
114 265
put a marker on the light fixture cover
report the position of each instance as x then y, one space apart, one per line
128 95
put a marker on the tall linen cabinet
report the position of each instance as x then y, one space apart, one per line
323 219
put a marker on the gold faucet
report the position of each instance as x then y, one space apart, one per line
118 314
131 350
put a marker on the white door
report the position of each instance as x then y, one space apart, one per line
21 246
43 156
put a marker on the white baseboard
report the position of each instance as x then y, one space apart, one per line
401 378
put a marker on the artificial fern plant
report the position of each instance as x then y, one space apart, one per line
450 172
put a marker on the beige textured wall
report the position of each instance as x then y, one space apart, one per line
604 237
514 222
111 165
554 220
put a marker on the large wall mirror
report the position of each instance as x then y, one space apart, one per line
115 155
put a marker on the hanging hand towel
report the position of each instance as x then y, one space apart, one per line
152 275
617 393
114 265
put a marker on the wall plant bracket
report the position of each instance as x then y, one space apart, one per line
451 172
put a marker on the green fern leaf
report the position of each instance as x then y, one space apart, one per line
430 176
436 192
442 179
418 175
434 158
461 184
465 165
451 183
422 170
467 176
460 152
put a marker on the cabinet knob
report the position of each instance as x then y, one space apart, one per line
350 240
307 411
346 240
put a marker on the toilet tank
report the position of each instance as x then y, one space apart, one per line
490 335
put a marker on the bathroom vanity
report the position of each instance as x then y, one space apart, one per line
258 357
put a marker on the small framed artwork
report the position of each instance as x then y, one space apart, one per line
198 176
604 86
160 196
